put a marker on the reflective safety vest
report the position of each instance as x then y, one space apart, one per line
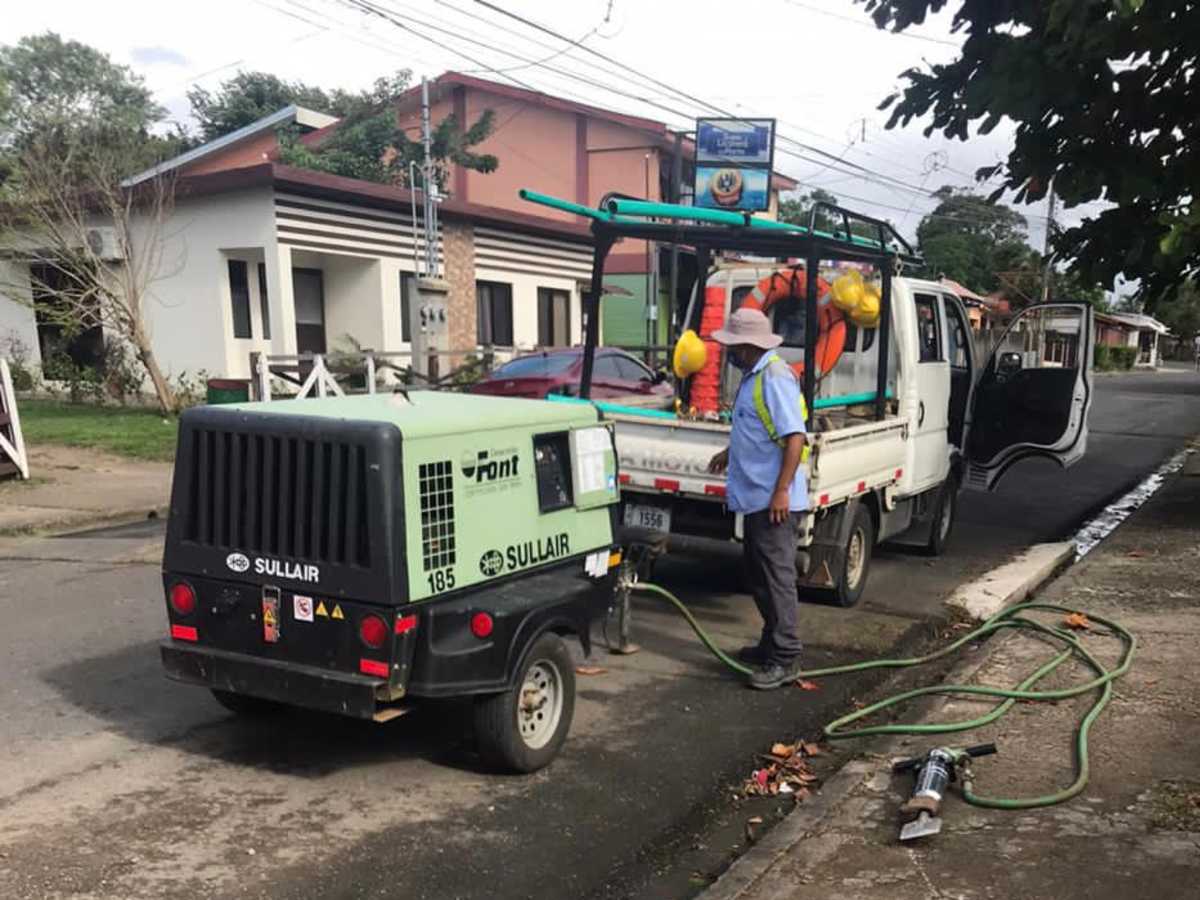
764 413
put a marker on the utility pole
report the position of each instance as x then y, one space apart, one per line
676 196
1046 244
429 185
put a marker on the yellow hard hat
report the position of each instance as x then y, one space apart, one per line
690 354
866 313
847 290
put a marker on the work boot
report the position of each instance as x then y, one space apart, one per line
753 655
772 675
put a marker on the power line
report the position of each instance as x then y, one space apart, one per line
853 21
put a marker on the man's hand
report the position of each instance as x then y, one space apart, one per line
780 507
719 463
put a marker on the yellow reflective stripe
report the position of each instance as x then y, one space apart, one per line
764 413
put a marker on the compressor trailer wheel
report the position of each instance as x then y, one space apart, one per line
523 729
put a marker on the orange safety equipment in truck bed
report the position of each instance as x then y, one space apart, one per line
831 321
705 393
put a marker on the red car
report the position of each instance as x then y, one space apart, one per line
614 374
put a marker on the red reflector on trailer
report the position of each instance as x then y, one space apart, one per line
862 486
625 479
481 625
717 490
373 667
405 624
824 500
184 633
899 472
666 484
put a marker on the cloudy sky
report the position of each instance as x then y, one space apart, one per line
818 66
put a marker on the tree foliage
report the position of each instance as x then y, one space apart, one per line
798 210
375 148
249 96
1102 96
972 239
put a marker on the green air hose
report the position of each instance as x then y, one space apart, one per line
1008 618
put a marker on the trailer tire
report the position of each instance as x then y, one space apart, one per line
856 561
245 705
522 729
944 514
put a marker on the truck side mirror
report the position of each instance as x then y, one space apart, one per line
1008 364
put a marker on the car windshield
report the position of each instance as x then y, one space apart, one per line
536 366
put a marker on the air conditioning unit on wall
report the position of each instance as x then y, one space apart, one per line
102 241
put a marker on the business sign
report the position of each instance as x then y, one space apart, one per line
733 163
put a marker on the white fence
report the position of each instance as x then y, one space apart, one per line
13 460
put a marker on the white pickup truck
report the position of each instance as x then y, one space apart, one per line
949 422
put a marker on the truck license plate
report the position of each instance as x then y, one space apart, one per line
644 516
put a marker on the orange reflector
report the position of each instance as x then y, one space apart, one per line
614 558
717 490
405 624
373 667
184 633
666 484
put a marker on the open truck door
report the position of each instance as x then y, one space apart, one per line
1034 393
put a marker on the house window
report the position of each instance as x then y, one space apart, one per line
554 318
65 327
408 292
239 295
263 306
493 313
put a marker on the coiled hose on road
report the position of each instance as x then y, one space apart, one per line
1008 618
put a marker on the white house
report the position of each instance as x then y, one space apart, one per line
264 257
1147 331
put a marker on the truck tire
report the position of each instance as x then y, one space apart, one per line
245 705
523 729
856 562
944 514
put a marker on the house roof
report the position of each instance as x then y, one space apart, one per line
965 293
1141 322
370 194
658 131
300 115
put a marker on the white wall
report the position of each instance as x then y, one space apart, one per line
16 318
525 310
189 312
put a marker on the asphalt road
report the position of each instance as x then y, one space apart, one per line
119 784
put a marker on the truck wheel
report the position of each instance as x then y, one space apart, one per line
245 705
943 517
523 729
857 562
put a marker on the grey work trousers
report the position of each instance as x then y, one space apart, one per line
769 552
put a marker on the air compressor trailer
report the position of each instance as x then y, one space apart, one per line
351 554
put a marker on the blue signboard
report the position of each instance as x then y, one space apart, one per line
733 163
735 141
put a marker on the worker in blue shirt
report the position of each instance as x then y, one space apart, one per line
766 484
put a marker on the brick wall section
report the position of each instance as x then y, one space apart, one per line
458 248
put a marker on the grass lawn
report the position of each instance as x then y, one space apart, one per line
140 433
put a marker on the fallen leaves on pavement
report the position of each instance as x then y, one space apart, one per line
786 771
1078 621
590 670
806 685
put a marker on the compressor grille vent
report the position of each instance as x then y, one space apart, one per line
437 514
279 495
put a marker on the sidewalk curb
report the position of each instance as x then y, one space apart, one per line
1003 586
86 519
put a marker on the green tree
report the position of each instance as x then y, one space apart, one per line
374 148
1103 98
972 239
1183 315
798 210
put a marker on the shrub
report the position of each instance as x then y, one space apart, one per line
1103 358
123 374
17 352
190 390
1124 357
76 382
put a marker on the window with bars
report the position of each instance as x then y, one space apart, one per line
436 490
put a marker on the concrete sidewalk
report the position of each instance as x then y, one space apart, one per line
1133 832
74 487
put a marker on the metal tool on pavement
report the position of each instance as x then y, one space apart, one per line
921 814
